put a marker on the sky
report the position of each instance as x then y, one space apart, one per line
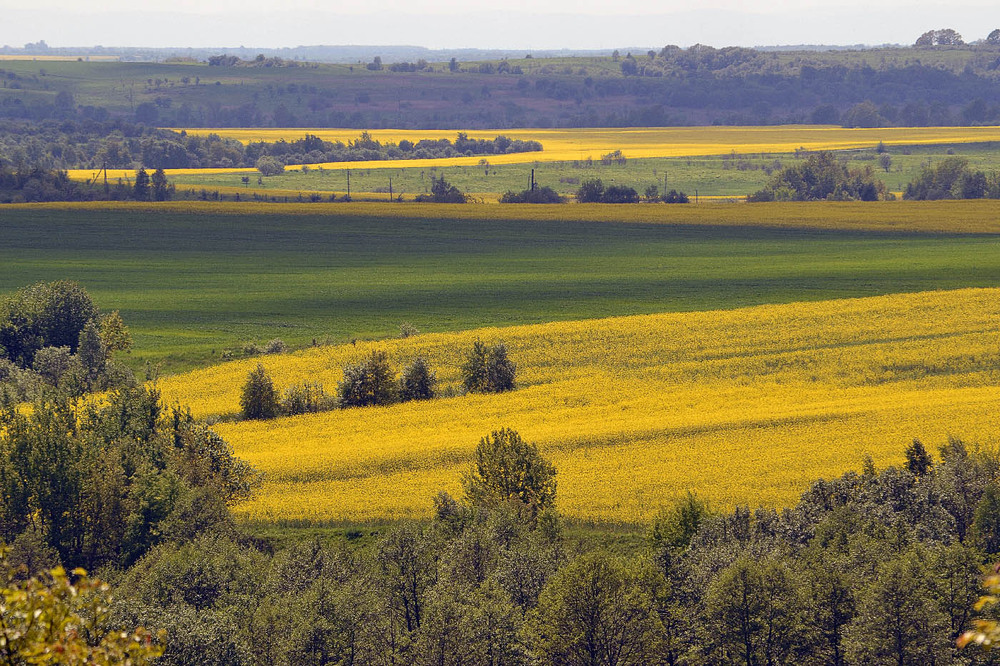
511 24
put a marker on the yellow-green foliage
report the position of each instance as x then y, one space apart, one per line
742 406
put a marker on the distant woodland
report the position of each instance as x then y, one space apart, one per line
944 82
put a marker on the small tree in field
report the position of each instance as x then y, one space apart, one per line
259 399
509 468
369 382
418 381
488 369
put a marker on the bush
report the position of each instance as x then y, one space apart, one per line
276 346
620 194
418 381
443 192
673 196
488 369
539 195
369 382
259 399
590 191
407 330
306 398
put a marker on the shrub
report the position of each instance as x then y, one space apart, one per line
673 196
488 369
407 330
369 382
276 346
306 398
620 194
539 195
259 399
418 381
591 191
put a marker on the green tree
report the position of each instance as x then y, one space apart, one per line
269 166
140 190
898 621
754 612
986 522
591 191
46 314
371 381
488 369
918 461
161 192
259 399
508 468
597 611
418 381
114 333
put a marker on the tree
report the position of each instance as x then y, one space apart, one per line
508 468
885 161
159 181
597 611
897 620
591 191
918 461
368 382
754 611
115 333
994 37
453 65
141 188
418 381
986 523
92 352
443 192
269 166
488 369
46 314
259 400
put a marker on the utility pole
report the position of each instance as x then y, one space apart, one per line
390 188
348 184
532 180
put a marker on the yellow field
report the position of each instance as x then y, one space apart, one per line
743 406
562 145
974 216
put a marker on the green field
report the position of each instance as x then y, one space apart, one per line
734 175
193 284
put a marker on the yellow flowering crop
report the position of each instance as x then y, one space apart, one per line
561 145
741 406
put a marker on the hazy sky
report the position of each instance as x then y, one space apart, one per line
521 24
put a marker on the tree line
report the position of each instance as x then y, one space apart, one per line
118 145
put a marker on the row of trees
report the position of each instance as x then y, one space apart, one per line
373 381
116 145
882 567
